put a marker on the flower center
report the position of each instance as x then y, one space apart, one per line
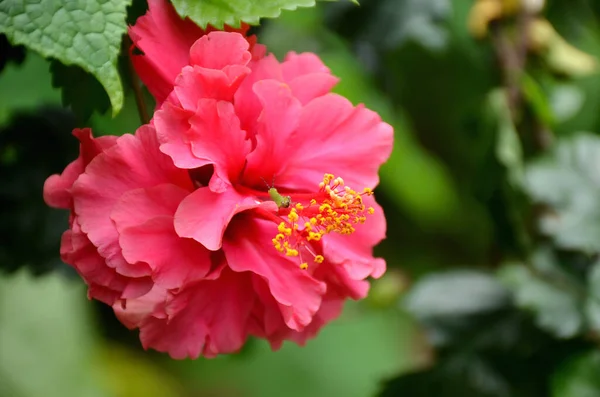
334 208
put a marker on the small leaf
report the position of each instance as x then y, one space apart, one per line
79 32
568 180
230 12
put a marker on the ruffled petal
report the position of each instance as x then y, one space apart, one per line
144 219
204 215
133 312
355 252
218 50
133 162
162 31
105 284
213 319
57 188
334 136
213 124
248 248
247 105
307 76
174 133
195 83
276 124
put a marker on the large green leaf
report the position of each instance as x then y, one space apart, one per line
86 33
231 12
568 180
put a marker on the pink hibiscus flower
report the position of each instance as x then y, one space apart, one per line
160 30
176 227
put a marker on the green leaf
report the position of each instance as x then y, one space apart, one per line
554 297
396 22
456 293
579 377
568 180
46 339
450 303
80 90
231 12
79 32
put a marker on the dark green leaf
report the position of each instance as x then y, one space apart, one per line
81 32
80 90
555 298
568 180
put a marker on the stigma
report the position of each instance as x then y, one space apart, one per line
335 208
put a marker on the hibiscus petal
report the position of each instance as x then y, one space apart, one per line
204 215
355 251
57 188
133 162
248 247
162 31
307 76
137 206
278 120
218 50
105 284
296 65
134 312
213 321
338 138
174 133
247 105
144 219
201 143
196 83
219 139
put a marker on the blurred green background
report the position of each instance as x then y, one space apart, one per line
492 203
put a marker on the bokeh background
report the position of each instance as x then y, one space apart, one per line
492 198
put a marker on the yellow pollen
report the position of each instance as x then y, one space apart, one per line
293 215
335 208
283 229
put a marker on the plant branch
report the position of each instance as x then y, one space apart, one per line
136 85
